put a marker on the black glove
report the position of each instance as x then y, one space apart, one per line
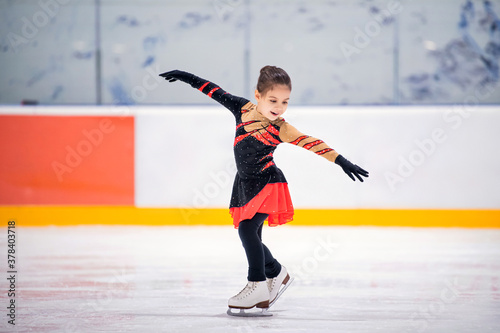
173 76
193 80
350 168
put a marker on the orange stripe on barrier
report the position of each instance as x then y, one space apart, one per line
129 215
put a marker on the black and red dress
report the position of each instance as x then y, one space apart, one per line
259 186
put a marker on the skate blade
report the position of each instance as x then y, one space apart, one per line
282 290
248 313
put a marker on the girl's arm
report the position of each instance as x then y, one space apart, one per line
232 103
290 134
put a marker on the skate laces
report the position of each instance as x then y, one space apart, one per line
271 283
247 289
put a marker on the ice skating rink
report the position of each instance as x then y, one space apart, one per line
178 279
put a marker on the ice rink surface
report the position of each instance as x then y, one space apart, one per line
178 279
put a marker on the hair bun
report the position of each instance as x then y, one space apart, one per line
271 76
267 68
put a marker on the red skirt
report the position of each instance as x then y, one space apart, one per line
274 199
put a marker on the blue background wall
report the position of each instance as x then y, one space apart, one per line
337 52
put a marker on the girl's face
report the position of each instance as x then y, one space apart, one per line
273 103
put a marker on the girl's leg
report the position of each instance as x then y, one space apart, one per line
272 266
261 263
248 232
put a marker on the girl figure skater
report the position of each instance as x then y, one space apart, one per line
260 190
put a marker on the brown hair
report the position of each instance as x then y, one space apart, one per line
271 76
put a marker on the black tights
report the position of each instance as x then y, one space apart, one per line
261 263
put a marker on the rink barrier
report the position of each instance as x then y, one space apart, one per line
41 216
126 156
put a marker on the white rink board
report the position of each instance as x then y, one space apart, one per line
442 157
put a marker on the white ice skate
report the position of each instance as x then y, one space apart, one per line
255 294
278 285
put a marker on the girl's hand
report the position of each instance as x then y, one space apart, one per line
170 76
186 77
350 168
